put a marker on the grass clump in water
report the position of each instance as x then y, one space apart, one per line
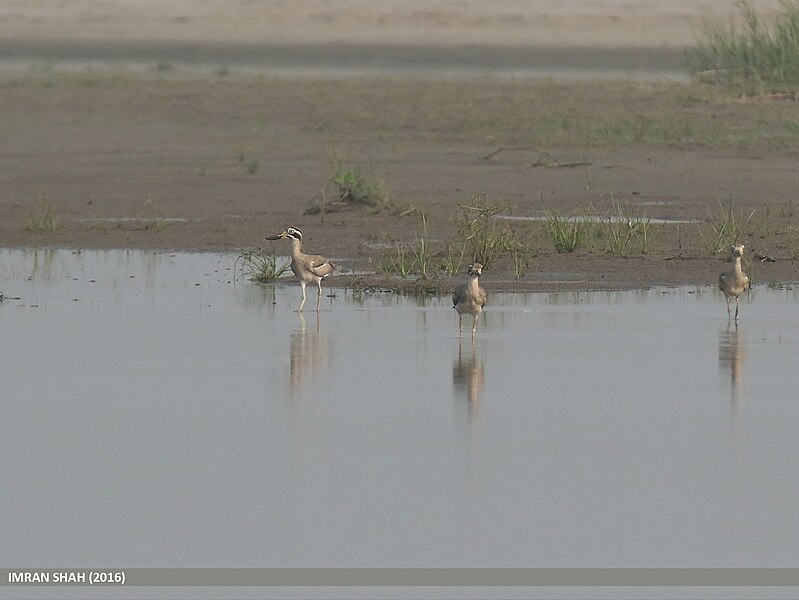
260 265
752 58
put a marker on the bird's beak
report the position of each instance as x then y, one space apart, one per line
279 236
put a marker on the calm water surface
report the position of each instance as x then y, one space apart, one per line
155 414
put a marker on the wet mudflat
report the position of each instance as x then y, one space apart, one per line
155 414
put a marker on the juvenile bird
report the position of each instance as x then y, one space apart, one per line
309 268
736 282
470 298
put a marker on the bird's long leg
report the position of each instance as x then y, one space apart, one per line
460 323
302 283
474 327
319 295
736 309
728 307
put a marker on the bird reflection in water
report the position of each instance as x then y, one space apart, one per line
731 358
308 356
467 376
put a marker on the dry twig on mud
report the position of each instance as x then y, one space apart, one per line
561 165
515 148
553 163
505 148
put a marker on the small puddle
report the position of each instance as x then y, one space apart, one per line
157 413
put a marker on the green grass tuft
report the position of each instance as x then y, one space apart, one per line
353 187
564 232
453 259
725 230
46 221
400 263
628 229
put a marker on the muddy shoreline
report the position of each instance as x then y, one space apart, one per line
115 160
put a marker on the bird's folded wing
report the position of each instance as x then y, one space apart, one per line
321 266
458 294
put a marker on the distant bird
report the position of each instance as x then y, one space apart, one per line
470 298
309 268
736 282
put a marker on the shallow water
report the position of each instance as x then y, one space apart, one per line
348 60
156 414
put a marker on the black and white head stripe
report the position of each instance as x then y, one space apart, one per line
294 232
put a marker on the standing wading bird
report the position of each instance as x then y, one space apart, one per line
470 298
736 282
309 268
